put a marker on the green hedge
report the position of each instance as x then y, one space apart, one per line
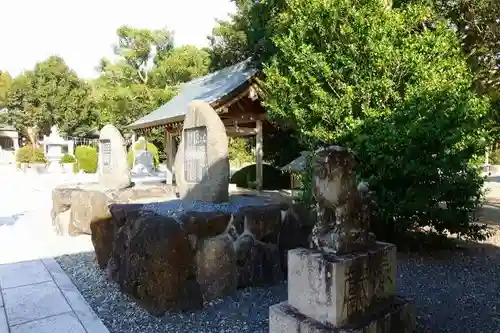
28 154
151 147
86 159
274 178
67 158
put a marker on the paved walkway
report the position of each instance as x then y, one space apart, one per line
36 295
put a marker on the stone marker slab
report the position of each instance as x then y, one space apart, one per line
202 161
114 172
332 288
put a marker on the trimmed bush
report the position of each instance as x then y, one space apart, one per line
273 178
28 154
86 159
151 147
67 158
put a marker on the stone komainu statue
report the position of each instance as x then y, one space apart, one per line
343 205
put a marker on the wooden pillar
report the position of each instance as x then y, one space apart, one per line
258 155
170 156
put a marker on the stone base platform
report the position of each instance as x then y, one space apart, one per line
347 293
398 317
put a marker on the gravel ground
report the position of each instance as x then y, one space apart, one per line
247 311
455 292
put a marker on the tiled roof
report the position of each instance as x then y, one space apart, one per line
209 88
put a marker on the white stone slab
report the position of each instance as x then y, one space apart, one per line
66 322
4 327
23 273
32 302
82 309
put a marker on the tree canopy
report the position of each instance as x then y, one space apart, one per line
145 75
51 94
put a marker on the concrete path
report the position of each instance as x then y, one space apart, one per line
38 297
36 294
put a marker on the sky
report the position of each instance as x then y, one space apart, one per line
82 32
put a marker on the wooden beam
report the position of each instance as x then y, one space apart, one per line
169 152
258 155
222 106
240 131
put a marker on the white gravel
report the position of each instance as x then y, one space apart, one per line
25 224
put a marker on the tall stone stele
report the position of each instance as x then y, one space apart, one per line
202 159
346 281
114 172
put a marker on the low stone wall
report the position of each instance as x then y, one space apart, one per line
74 207
175 255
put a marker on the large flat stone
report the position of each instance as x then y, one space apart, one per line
80 307
398 317
4 326
32 302
66 322
23 273
331 289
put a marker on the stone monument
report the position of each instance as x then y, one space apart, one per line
143 159
52 146
346 282
114 172
202 162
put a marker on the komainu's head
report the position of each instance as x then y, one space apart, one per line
333 174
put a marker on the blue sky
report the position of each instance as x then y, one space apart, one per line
82 32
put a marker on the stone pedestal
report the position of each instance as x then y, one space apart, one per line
353 293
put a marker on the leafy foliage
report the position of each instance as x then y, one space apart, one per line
86 159
274 178
145 75
495 157
67 158
398 92
5 83
51 94
240 151
478 25
29 154
248 33
306 180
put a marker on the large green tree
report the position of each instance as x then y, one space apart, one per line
247 33
478 25
146 74
395 86
51 94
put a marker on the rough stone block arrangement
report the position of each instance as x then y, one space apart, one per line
178 254
76 207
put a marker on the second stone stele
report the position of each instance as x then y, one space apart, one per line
347 282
